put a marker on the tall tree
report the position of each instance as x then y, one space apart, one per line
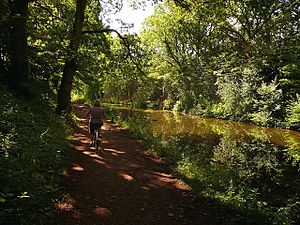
19 73
64 92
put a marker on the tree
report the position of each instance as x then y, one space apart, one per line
18 70
64 92
223 57
4 37
186 41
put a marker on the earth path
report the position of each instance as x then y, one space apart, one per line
123 184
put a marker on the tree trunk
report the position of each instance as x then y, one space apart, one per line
64 92
18 71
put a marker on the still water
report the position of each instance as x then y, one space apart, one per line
186 125
170 123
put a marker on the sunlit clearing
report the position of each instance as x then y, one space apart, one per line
80 148
65 173
96 156
114 150
145 188
66 206
165 179
181 185
161 182
133 165
81 138
105 141
162 174
126 176
77 168
88 153
99 161
102 211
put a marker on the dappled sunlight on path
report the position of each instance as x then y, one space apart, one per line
122 184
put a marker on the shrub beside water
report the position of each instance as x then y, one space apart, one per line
293 118
33 153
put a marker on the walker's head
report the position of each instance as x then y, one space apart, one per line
97 103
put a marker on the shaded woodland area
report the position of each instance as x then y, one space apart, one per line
231 59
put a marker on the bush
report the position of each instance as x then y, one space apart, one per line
293 117
178 107
168 104
33 144
236 89
267 105
140 104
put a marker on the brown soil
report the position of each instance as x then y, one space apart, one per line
124 184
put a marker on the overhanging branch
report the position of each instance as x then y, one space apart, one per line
124 39
108 30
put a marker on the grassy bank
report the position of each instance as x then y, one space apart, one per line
254 179
34 146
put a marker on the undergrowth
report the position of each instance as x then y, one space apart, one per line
33 153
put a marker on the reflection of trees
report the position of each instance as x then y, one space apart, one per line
259 133
257 169
226 129
248 158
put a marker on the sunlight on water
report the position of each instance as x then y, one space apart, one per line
172 123
169 123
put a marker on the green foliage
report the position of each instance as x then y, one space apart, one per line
125 79
293 117
267 104
49 23
140 104
4 35
290 77
178 60
215 58
167 104
224 58
33 144
293 151
236 89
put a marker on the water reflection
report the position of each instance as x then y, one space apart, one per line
170 123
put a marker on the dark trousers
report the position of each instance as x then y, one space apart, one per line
94 124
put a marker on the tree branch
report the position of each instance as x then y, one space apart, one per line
108 30
46 9
124 39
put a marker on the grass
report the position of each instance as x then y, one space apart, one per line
34 152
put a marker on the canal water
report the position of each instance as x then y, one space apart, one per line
168 123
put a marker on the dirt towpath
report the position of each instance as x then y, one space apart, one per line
123 184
